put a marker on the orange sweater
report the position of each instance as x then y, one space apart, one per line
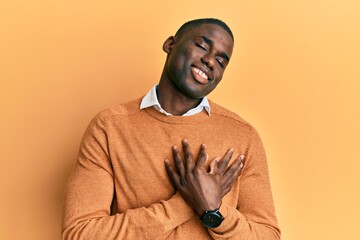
119 188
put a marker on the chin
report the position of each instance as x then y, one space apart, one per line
195 94
194 90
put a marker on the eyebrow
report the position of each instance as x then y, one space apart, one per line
211 42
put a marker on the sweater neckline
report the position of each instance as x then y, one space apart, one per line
203 115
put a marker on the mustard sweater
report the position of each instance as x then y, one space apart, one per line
119 188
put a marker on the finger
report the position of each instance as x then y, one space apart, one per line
203 157
229 179
234 170
178 162
174 177
214 166
225 160
188 156
231 175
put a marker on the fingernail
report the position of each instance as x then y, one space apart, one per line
174 147
242 157
241 165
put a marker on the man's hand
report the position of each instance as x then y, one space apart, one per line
201 189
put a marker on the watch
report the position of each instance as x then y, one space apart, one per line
212 219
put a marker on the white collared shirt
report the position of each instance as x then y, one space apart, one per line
151 100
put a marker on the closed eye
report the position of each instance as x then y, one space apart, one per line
219 61
201 46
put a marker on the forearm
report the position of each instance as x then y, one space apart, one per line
153 222
253 215
238 226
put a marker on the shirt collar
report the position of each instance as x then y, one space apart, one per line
151 100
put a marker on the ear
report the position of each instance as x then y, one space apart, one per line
169 44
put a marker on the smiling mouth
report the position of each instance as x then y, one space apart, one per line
200 76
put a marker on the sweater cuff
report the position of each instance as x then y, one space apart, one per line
232 217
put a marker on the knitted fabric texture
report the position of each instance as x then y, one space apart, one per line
119 188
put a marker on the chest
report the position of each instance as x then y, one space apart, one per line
138 152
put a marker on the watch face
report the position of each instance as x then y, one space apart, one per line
212 219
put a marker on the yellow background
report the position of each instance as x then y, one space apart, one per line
294 75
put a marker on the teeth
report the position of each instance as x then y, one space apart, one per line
201 73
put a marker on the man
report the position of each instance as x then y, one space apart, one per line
173 165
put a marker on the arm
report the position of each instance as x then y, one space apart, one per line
254 217
90 191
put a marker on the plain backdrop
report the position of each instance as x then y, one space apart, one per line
294 75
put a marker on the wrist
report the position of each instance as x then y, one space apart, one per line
209 207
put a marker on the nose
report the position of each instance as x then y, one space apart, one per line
209 61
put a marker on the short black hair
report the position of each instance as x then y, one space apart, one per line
198 22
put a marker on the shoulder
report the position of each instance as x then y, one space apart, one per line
227 115
119 110
218 110
234 121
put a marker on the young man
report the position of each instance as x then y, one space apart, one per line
137 177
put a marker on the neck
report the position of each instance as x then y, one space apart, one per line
172 100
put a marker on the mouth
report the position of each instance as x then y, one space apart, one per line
200 76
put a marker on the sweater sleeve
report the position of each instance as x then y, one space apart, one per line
90 191
254 217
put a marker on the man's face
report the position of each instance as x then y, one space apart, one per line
197 59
